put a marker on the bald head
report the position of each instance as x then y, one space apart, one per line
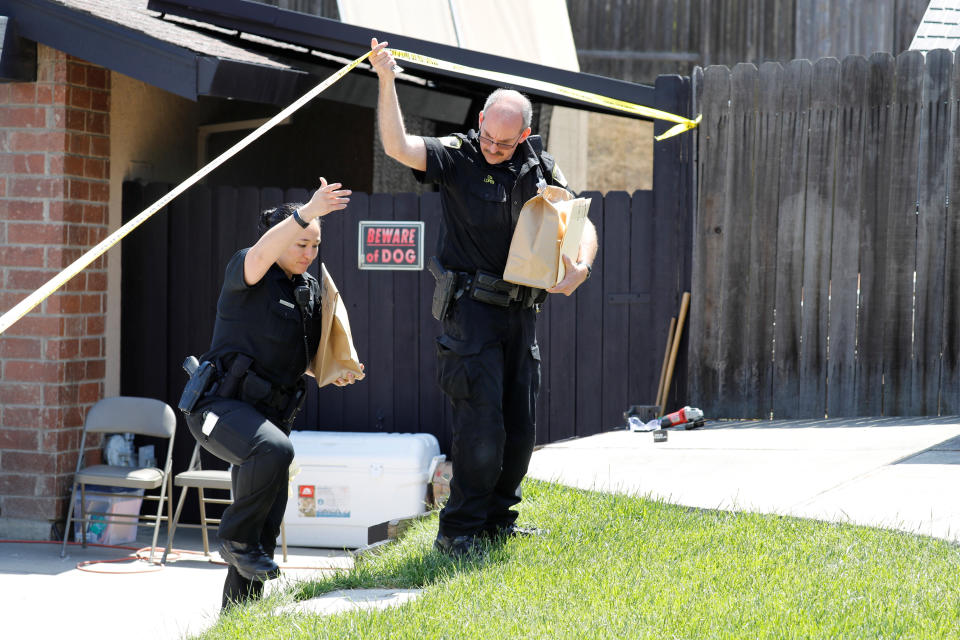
508 103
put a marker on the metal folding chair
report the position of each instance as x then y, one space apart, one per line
139 416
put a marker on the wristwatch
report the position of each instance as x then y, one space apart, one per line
589 269
300 221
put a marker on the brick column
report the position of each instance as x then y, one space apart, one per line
54 190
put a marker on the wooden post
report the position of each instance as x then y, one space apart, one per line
663 368
684 305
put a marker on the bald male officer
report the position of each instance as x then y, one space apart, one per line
488 361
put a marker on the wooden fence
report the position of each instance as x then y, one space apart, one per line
826 275
602 347
637 41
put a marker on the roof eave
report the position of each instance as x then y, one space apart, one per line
352 41
107 44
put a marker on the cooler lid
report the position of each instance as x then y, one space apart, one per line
394 451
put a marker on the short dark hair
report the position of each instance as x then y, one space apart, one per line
275 215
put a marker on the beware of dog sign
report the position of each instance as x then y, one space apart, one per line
390 245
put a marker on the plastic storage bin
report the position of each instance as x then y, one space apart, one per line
346 482
103 531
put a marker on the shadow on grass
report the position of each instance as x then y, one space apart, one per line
396 567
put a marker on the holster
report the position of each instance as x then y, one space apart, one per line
201 379
230 384
490 289
444 289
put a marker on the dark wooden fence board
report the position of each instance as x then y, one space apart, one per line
144 255
873 238
845 257
587 372
355 287
901 258
647 331
931 232
950 364
672 201
793 177
614 342
735 265
705 304
818 211
324 407
406 336
380 316
762 278
433 404
561 360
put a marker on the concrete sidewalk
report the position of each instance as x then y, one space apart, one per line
900 473
46 597
890 472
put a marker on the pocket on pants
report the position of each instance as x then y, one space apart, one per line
453 370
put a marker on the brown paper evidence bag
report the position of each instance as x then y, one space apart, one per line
336 356
550 227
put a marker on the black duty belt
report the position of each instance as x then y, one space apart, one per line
242 382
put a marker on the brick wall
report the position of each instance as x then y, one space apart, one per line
54 189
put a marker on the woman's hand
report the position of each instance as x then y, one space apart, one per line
329 197
350 378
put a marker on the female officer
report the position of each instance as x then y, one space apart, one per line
266 333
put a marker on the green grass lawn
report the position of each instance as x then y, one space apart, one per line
626 567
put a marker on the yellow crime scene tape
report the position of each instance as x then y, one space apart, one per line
24 306
683 124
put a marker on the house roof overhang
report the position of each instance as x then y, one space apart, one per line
152 58
350 41
251 51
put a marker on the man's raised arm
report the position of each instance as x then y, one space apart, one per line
397 143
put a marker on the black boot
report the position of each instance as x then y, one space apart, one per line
238 590
458 546
250 560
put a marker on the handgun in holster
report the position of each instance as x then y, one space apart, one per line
444 290
202 376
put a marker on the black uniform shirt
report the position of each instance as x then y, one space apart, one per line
264 322
481 201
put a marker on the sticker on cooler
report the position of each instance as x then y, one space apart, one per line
323 502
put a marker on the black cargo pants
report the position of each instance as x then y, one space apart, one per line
260 452
488 365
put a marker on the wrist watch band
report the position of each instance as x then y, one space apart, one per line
300 221
589 269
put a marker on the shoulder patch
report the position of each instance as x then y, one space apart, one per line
558 176
453 142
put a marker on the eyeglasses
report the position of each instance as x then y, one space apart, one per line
500 145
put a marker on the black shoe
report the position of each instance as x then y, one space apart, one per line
249 559
237 590
458 546
513 531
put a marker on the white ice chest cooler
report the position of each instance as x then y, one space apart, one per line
349 481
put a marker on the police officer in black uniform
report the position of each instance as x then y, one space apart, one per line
241 401
488 361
